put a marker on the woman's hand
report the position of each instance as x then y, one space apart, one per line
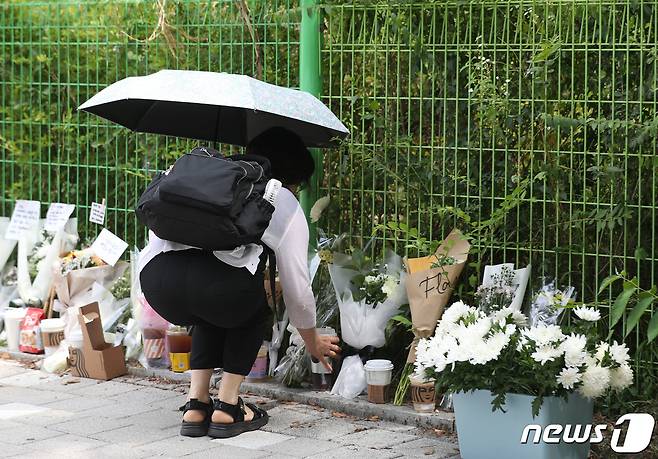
320 346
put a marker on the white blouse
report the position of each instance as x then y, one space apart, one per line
287 235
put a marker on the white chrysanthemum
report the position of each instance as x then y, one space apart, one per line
456 312
619 353
596 379
543 334
574 350
588 314
545 354
569 377
621 377
601 349
517 317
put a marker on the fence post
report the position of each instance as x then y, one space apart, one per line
310 80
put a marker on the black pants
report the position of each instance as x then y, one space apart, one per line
226 306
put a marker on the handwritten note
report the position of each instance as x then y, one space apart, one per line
109 247
57 216
24 218
97 214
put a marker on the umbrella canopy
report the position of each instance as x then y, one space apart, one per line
219 107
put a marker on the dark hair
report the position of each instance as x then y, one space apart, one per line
291 161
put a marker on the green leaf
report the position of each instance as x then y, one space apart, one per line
652 330
640 254
609 280
401 319
620 303
644 301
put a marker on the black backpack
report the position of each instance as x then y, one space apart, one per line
209 201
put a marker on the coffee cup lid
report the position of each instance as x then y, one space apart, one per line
378 365
15 313
52 324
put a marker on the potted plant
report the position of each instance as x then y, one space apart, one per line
506 376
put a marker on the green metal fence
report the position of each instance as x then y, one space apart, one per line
530 125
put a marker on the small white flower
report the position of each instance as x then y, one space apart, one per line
568 377
543 334
596 379
619 353
545 354
574 350
370 279
588 314
456 312
622 377
389 286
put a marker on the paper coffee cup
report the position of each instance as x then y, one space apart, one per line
52 333
13 318
423 394
378 377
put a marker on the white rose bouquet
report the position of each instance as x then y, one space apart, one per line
472 350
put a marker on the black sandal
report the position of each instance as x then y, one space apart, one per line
196 429
239 425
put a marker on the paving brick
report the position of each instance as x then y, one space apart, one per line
10 394
427 447
65 383
15 410
283 419
116 452
228 451
351 452
9 450
134 436
67 444
375 438
257 439
103 389
10 368
302 447
89 425
28 379
178 446
323 429
78 403
46 418
26 435
157 419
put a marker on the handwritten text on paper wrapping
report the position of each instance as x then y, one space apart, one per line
109 247
57 216
24 218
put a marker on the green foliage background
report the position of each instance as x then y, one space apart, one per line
530 125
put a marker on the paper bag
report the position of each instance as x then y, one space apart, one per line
97 359
429 289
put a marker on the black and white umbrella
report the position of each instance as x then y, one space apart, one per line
218 107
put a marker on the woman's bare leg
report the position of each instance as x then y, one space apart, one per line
229 390
199 389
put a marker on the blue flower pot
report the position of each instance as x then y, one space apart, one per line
485 434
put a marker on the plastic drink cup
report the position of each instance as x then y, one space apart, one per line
321 378
13 318
423 394
179 343
52 333
378 377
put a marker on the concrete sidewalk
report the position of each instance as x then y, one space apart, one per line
43 415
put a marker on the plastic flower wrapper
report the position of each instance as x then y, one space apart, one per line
366 302
549 303
6 245
38 252
502 286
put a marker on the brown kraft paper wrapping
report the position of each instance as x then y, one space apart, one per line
429 289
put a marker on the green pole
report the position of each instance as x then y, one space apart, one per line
310 80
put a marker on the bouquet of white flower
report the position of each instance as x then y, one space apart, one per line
473 350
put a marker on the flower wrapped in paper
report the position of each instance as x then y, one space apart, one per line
502 286
430 282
